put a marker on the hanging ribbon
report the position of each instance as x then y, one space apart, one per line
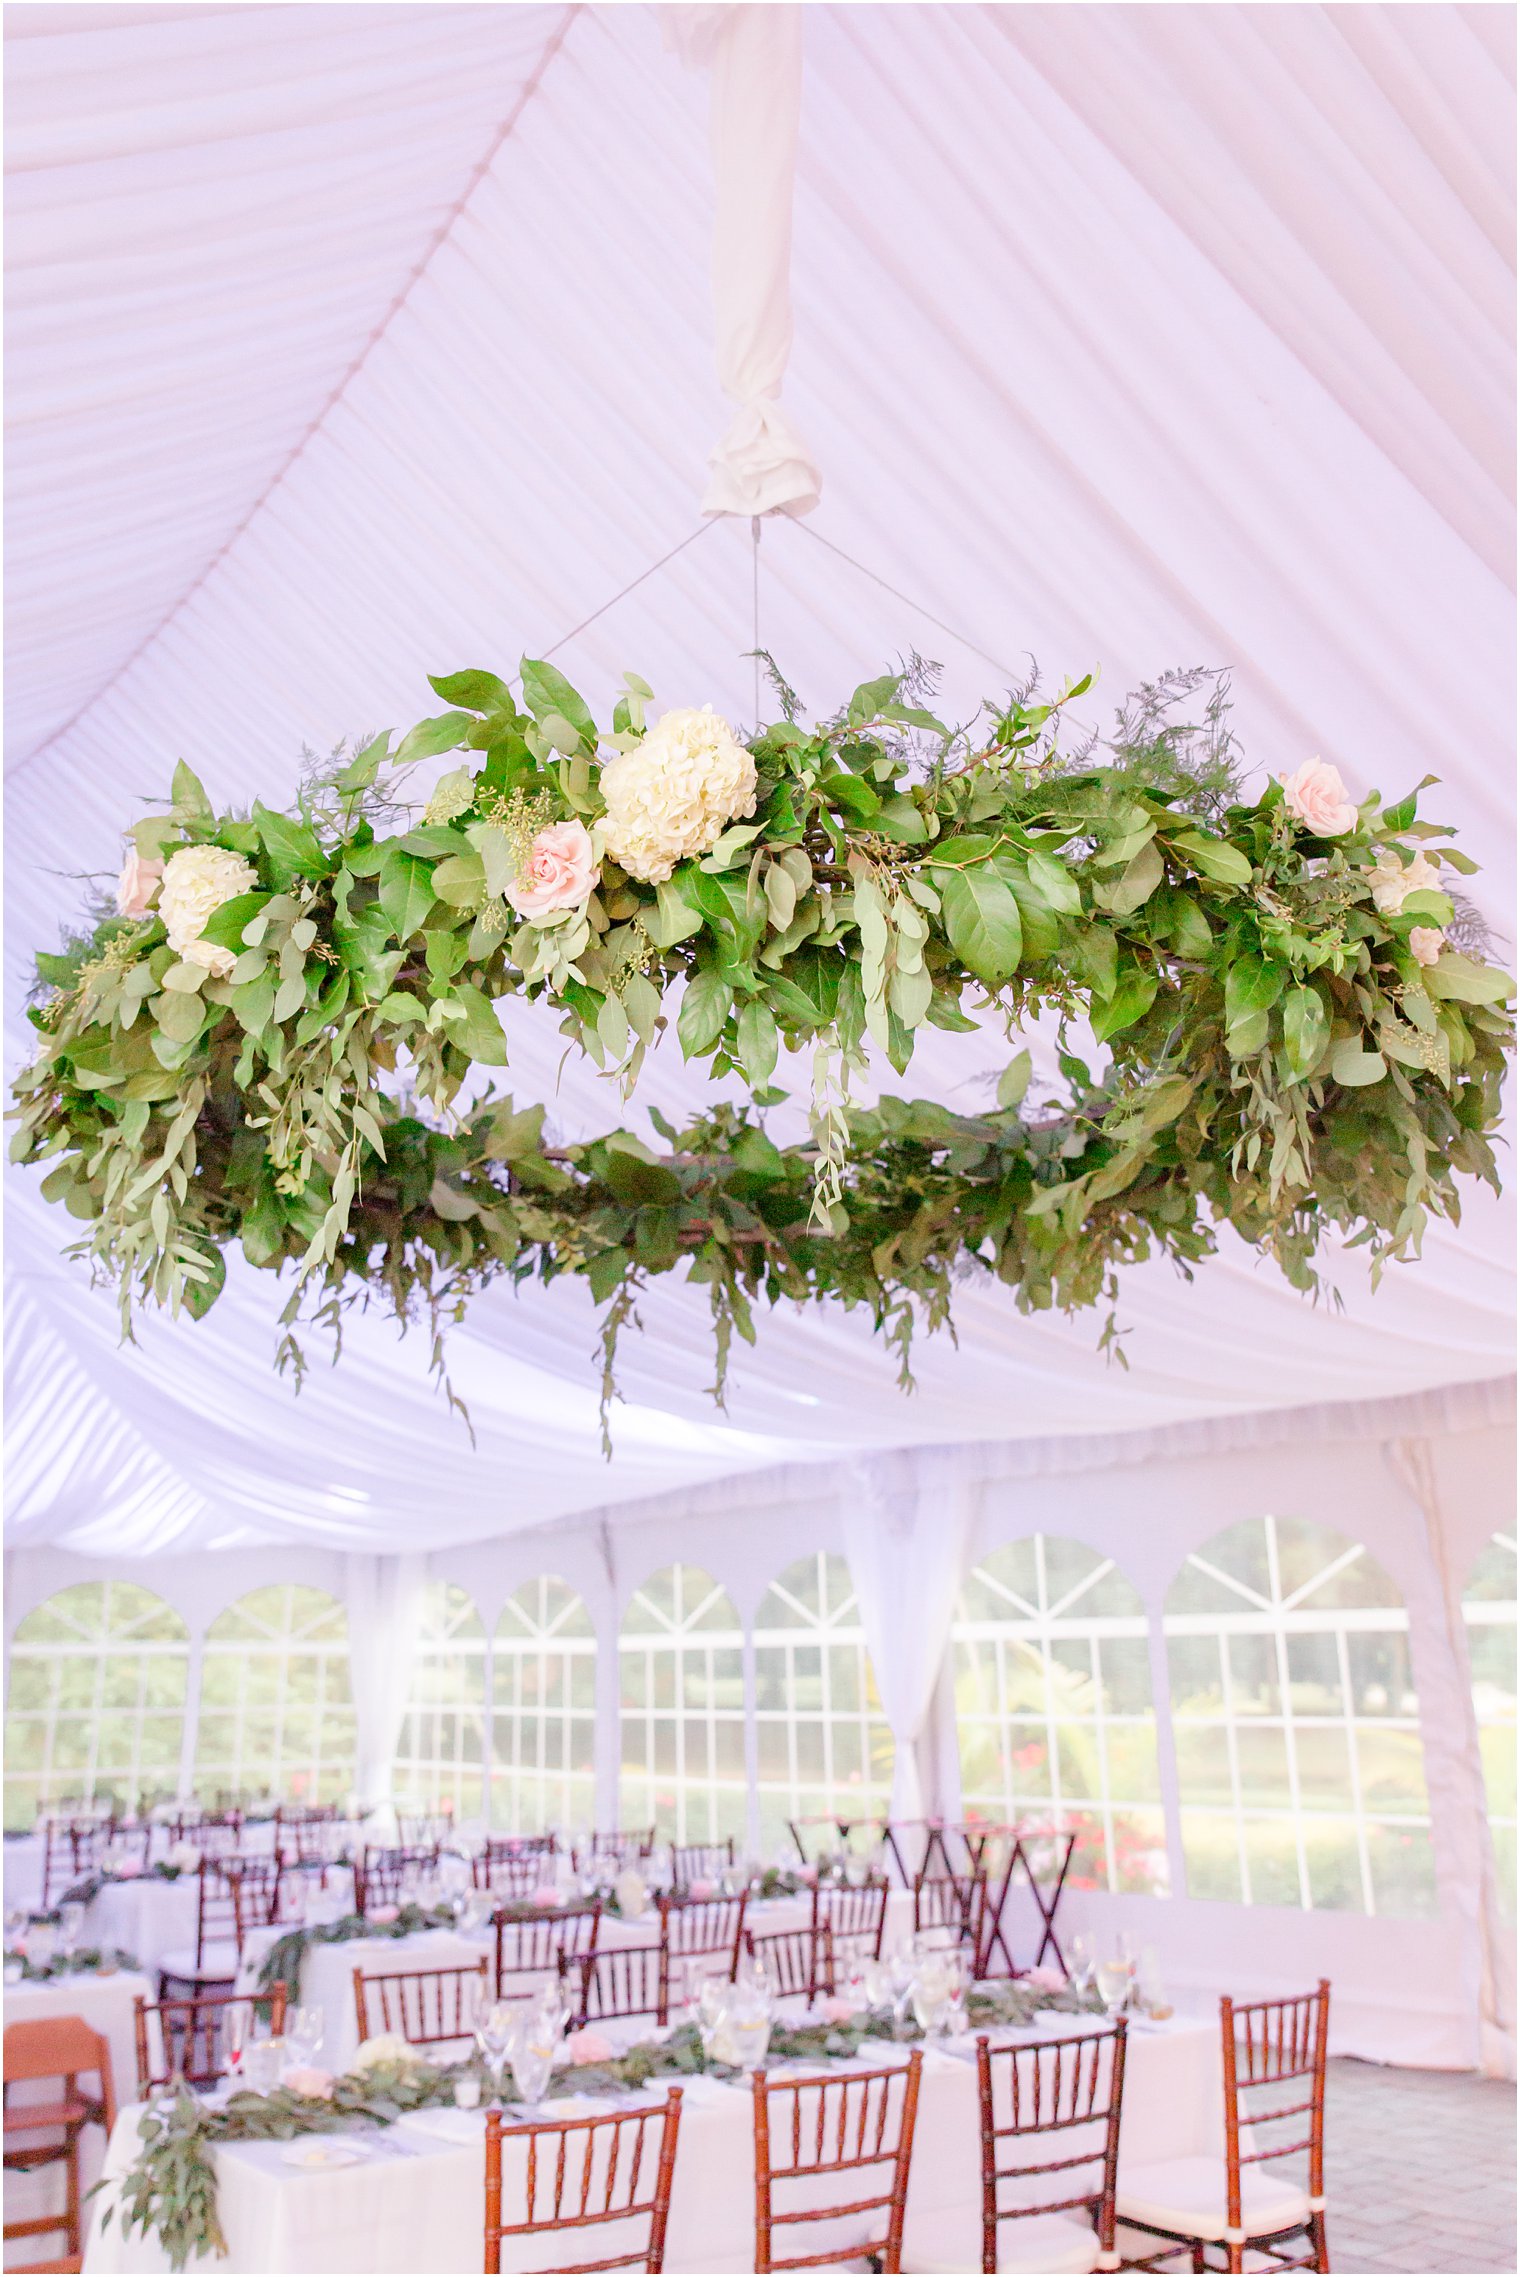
762 465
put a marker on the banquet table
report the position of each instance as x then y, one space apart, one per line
415 2202
327 1973
106 2004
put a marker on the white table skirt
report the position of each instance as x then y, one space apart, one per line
327 1975
416 2205
106 2004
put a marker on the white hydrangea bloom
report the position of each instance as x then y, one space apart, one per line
675 792
197 880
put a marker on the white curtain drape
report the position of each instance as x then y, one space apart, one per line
762 465
384 1624
906 1553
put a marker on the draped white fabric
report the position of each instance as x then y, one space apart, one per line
350 343
384 1597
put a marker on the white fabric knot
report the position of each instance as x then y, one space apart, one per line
762 465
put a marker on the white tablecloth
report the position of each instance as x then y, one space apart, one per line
106 2004
416 2204
23 1871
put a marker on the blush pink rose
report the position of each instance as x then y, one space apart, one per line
382 1913
1044 1980
589 2047
138 883
699 1889
807 1873
561 871
1316 797
837 2011
305 2079
1427 942
546 1894
128 1870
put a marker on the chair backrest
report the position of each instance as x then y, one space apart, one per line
585 2174
187 2039
62 2047
949 1908
71 1848
837 2124
701 1861
510 1877
1269 2044
532 1948
857 1914
620 1980
694 1926
1048 2088
378 1874
253 1885
423 2005
795 1961
519 1846
626 1844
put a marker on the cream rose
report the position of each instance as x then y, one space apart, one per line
1316 797
197 880
560 872
138 883
675 792
386 2048
1393 881
1427 942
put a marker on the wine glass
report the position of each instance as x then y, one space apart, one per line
70 1926
494 2037
1113 1984
1083 1961
303 2033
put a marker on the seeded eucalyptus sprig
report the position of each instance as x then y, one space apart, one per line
1293 1043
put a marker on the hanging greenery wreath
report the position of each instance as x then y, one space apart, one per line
269 1038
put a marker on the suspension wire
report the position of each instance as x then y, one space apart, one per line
754 531
908 603
632 586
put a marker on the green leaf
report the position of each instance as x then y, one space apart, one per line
479 1032
477 691
633 1178
189 796
430 738
1213 858
982 922
180 1016
872 697
1133 995
225 925
1466 982
1251 988
759 1041
1138 880
1352 1065
549 695
461 881
1054 881
857 798
365 945
903 821
1306 1029
705 1006
292 846
1014 1080
364 766
406 892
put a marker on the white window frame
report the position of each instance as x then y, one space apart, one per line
648 1634
331 1712
837 1628
556 1794
421 1780
1494 1613
103 1646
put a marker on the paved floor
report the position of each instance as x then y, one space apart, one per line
1420 2171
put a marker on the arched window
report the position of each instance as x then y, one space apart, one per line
1054 1708
543 1710
681 1669
95 1708
1488 1607
440 1758
1300 1769
823 1742
276 1712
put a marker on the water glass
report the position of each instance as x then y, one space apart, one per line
263 2063
70 1925
533 2050
1083 1961
494 2036
303 2034
1113 1985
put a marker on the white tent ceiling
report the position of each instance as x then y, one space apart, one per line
350 343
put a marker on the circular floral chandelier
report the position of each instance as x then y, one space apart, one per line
267 1040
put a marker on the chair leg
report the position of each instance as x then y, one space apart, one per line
71 2203
1236 2260
1198 2260
1317 2236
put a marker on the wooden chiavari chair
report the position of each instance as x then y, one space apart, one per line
61 2048
379 1874
191 2035
839 2123
509 1877
619 1980
843 1831
950 1909
586 2174
629 1846
1051 2088
232 1897
701 1862
425 2006
1231 2201
71 1848
798 1963
519 1846
857 1917
528 1951
703 1930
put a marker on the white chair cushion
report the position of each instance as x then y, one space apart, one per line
1048 2244
1188 2195
217 1965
